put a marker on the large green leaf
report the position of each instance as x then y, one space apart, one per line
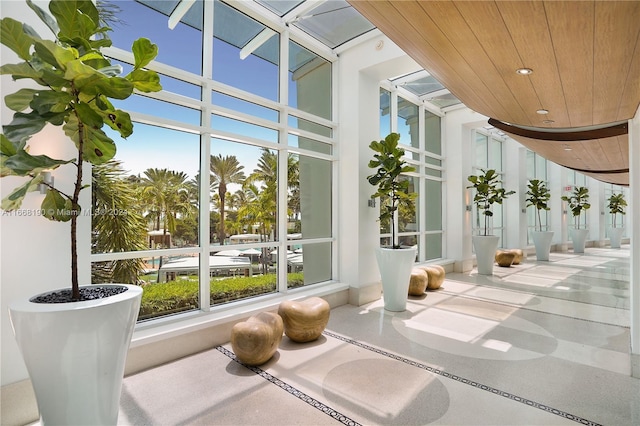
77 18
20 100
118 120
22 163
115 87
54 54
50 101
143 52
88 116
7 147
24 125
13 36
44 17
97 147
56 207
13 201
21 70
145 80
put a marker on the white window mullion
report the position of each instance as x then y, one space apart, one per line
205 155
283 160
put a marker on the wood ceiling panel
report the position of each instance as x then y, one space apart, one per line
571 28
585 56
527 23
439 44
501 61
453 20
618 42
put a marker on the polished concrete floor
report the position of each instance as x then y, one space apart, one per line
540 343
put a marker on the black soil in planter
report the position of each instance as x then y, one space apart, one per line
86 293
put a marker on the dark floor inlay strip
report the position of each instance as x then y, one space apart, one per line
293 391
493 390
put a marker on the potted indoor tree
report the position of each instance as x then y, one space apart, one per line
74 339
488 191
578 202
394 262
617 203
538 196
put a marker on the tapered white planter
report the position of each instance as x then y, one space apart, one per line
542 241
485 248
75 354
615 235
579 236
395 271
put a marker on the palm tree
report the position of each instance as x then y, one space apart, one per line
224 171
166 195
116 224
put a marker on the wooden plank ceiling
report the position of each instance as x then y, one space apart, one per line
585 57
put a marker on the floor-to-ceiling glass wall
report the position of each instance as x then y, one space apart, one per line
488 156
225 189
420 137
537 220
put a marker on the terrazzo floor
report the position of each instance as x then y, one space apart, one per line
540 343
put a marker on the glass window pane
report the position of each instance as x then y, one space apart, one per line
147 196
495 161
408 216
432 133
310 195
408 123
482 151
244 128
385 113
149 106
309 81
309 144
334 23
433 205
309 126
246 107
243 192
433 249
237 274
245 52
171 43
316 269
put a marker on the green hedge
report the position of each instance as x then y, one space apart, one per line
182 295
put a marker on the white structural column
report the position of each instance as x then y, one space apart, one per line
360 71
634 222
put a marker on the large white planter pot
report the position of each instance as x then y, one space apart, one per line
485 248
579 236
542 241
395 271
615 235
75 354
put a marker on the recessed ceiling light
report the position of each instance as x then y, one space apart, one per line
542 111
548 121
524 71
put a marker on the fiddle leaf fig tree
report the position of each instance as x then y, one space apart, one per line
577 203
75 85
392 189
617 203
538 196
488 191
